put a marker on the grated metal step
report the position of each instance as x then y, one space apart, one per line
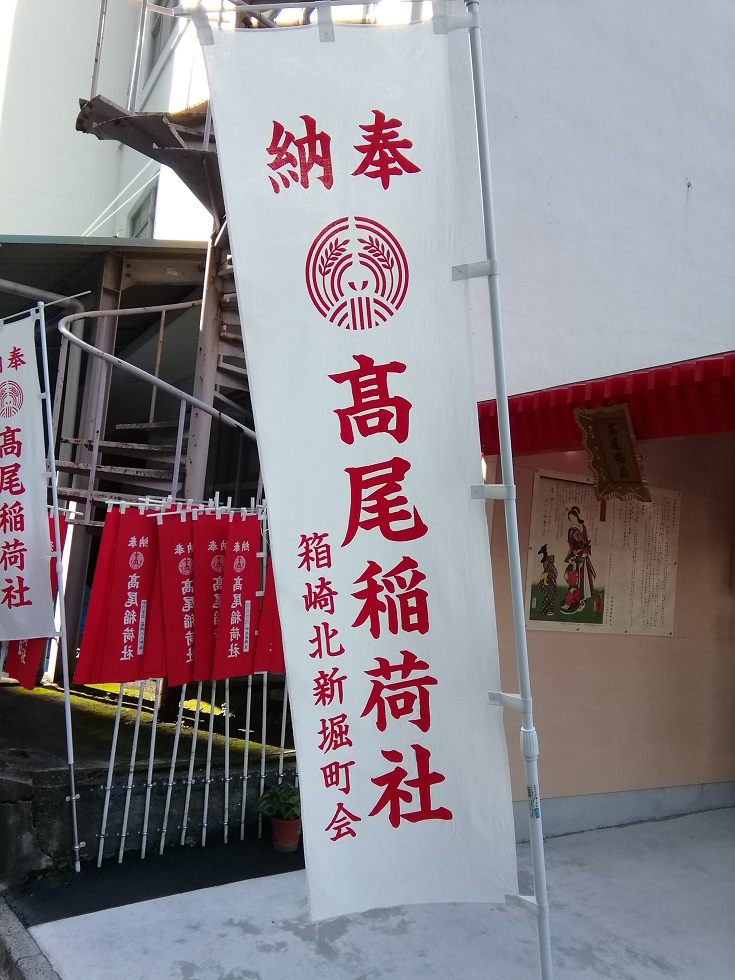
123 448
147 426
123 473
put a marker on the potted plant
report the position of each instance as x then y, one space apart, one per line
282 804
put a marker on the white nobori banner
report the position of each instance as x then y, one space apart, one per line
336 161
26 609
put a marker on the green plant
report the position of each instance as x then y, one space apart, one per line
282 801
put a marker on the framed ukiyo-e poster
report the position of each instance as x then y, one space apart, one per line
600 566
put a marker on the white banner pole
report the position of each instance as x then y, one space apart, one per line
60 579
529 739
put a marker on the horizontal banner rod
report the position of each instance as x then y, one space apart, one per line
527 902
475 270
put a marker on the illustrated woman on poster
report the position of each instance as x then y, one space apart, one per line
579 573
547 582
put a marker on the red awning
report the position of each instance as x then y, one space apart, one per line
690 398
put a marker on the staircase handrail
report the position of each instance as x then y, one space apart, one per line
139 372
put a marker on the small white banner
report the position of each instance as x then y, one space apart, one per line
26 609
336 163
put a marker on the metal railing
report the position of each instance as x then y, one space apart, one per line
111 361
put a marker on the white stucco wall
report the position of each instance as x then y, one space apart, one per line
53 180
613 152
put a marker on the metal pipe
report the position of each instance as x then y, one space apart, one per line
157 364
282 747
58 392
226 823
174 754
137 58
97 438
98 48
190 780
207 126
110 774
263 735
131 774
74 360
246 759
208 770
179 450
31 292
51 463
529 740
138 372
149 780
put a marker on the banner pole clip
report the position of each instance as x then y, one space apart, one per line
493 491
476 270
512 701
527 902
444 24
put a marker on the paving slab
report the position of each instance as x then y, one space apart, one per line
643 902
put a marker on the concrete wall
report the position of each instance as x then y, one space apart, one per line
54 180
622 713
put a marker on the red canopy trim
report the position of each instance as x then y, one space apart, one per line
690 398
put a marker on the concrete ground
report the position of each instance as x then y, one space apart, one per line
653 900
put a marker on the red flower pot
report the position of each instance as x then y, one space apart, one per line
285 834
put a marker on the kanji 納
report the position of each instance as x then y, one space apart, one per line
313 150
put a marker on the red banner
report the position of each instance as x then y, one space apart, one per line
24 656
89 664
114 632
151 575
234 654
269 643
210 547
176 555
154 647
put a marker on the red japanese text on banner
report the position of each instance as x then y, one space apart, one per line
234 653
89 663
269 642
176 557
359 363
130 587
154 645
210 547
26 608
